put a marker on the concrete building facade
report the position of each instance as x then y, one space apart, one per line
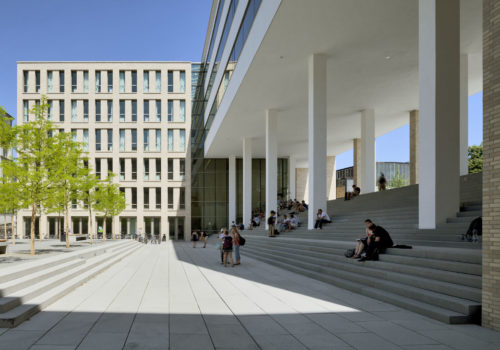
134 120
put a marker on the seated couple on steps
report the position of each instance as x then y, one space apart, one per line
376 241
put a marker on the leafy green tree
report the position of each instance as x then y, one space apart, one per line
89 195
475 159
7 136
110 202
398 180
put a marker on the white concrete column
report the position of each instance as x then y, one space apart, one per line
128 227
331 177
291 177
247 181
271 161
439 122
317 135
464 114
414 147
368 165
232 191
356 163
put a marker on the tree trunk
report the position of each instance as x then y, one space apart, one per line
91 232
113 228
5 226
32 233
104 228
66 226
40 226
60 224
13 227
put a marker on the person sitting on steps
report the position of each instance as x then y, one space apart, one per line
362 243
321 218
379 242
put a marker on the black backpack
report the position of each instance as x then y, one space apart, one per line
242 240
270 220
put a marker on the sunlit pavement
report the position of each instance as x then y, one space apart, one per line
172 296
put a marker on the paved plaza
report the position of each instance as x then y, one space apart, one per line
172 296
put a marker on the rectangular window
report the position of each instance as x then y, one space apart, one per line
134 81
122 139
122 81
170 169
97 139
170 140
182 81
134 168
158 139
110 139
182 111
97 110
134 197
61 110
170 198
37 80
122 168
158 81
122 110
146 81
26 79
61 81
158 197
85 140
158 168
74 116
146 140
26 111
182 169
146 110
134 139
110 166
86 81
134 110
50 115
170 81
86 111
146 198
170 110
146 169
98 167
73 135
50 83
182 198
158 110
73 81
98 81
182 140
110 110
110 81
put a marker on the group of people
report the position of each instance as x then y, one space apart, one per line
377 239
197 236
294 205
229 242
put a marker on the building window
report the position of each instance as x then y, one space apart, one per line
170 140
85 140
110 139
134 110
134 81
37 80
122 168
146 169
182 140
134 197
110 81
73 135
170 81
110 110
61 110
134 168
170 110
110 166
146 81
74 116
26 111
122 81
170 169
122 110
98 167
50 83
182 111
158 168
170 198
158 139
182 81
50 111
97 110
73 81
97 139
146 140
146 197
182 169
61 81
86 81
122 139
97 81
146 110
86 111
134 139
158 81
158 110
158 197
26 79
182 198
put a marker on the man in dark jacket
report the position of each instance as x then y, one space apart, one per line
379 242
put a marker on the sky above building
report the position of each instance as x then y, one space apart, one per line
127 30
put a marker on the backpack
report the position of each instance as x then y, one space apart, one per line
270 220
477 226
349 253
242 240
228 243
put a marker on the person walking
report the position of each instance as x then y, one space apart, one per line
194 238
271 221
382 182
227 248
204 238
236 244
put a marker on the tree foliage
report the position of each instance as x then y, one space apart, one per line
110 202
398 180
475 159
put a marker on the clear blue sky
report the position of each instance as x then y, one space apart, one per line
167 30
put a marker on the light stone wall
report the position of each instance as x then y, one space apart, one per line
140 125
357 170
302 184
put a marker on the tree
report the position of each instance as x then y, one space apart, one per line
89 195
398 180
475 159
7 196
110 202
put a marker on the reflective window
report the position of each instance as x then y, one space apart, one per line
170 110
170 81
97 139
146 81
122 110
110 139
146 110
61 110
73 81
37 80
110 110
97 81
158 139
50 85
61 81
110 81
122 81
182 81
26 79
86 111
74 115
146 140
158 110
86 81
182 111
134 81
134 110
97 110
134 139
158 81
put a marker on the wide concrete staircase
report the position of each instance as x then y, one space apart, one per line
440 277
28 288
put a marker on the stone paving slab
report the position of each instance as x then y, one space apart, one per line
172 296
